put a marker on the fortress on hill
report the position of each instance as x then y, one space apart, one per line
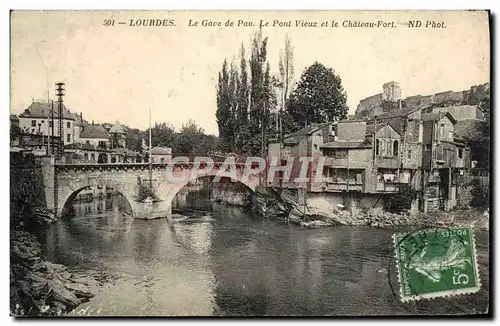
390 99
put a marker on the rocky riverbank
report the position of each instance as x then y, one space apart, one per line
269 203
39 287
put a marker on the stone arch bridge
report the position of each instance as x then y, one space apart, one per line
64 181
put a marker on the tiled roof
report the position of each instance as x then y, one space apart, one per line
43 110
94 131
117 129
161 151
347 144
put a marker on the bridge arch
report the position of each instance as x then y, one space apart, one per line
68 192
174 189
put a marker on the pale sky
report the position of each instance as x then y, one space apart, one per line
119 72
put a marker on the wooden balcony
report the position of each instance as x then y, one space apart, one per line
351 185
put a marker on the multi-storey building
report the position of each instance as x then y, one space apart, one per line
445 159
365 162
37 119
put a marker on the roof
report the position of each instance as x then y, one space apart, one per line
436 116
43 110
94 131
373 128
347 144
398 113
117 129
161 151
296 137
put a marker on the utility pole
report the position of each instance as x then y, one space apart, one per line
60 94
52 131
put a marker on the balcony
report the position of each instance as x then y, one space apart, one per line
387 187
343 185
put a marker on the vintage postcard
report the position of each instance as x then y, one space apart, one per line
249 163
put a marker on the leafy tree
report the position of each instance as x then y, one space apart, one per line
319 96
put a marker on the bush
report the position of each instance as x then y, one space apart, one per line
145 191
401 202
480 193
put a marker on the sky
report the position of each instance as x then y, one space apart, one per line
120 72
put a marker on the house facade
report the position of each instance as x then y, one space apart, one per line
366 162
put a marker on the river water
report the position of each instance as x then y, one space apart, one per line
217 260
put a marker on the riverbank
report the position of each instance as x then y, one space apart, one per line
39 287
271 204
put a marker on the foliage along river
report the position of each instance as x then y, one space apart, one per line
223 261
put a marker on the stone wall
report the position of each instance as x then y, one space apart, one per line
27 184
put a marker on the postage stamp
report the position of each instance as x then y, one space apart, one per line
435 263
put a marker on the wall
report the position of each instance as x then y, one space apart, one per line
157 158
461 112
351 130
94 141
445 129
45 129
32 183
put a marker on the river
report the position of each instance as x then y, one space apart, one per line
218 260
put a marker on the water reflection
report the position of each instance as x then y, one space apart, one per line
222 260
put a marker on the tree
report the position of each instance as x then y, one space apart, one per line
319 97
223 114
284 84
260 94
243 91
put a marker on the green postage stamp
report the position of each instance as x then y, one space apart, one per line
435 263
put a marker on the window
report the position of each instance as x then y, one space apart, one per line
450 135
68 124
395 148
460 153
92 157
68 138
330 153
87 142
102 144
409 154
377 147
43 121
441 131
427 147
341 153
33 123
162 160
51 124
315 146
